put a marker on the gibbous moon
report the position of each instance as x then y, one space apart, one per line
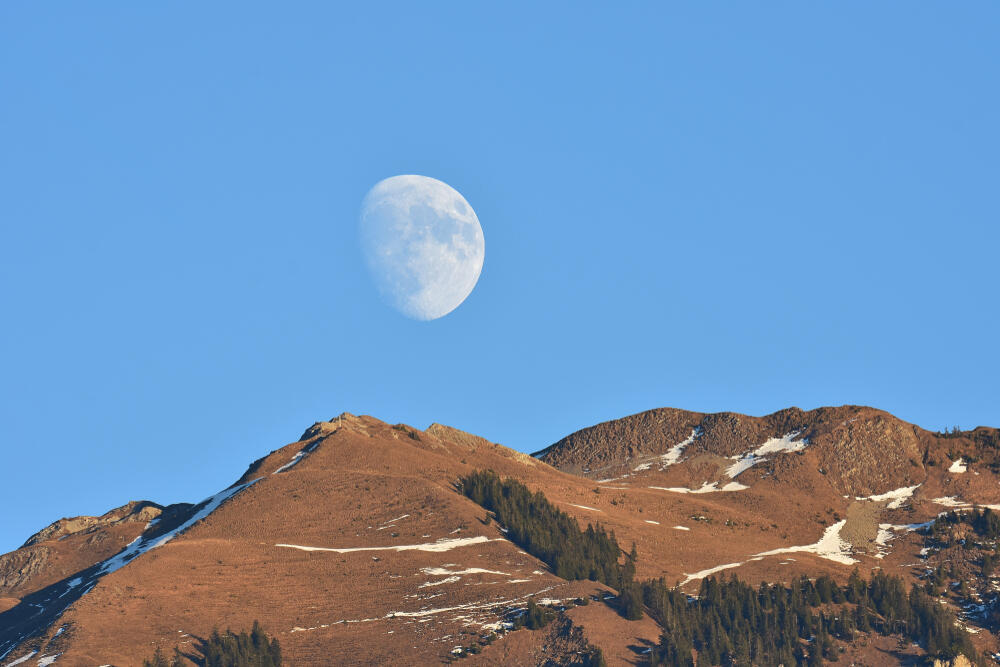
422 243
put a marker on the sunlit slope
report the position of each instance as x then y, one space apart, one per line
353 541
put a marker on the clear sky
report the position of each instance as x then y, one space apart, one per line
711 206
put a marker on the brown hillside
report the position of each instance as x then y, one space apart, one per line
352 545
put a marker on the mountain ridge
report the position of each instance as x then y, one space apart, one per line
866 450
354 540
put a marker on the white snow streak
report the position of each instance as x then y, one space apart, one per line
441 571
584 507
950 501
886 535
390 522
299 455
295 459
705 488
672 455
958 466
441 545
21 659
786 443
830 546
897 496
456 575
141 545
712 570
449 580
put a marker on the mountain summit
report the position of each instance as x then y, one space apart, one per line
356 541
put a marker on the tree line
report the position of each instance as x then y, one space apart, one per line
547 533
728 622
732 623
228 649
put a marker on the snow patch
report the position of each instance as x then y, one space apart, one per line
743 463
896 496
906 526
830 546
390 522
441 545
705 488
681 528
441 571
785 444
448 580
950 501
655 523
885 535
47 660
21 659
672 455
299 455
958 466
709 571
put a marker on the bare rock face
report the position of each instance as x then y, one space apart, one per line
18 567
605 447
328 427
872 454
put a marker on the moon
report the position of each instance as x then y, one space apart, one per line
422 243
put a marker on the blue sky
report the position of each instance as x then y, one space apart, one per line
706 206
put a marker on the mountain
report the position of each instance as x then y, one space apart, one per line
861 451
354 544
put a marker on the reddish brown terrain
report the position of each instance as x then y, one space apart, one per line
353 546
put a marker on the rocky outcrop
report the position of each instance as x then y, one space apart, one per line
136 510
18 567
